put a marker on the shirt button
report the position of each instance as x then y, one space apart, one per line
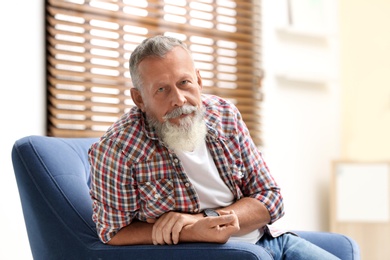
147 183
156 196
176 160
187 184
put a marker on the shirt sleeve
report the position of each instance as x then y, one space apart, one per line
114 206
258 183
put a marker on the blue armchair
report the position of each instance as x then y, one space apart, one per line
53 181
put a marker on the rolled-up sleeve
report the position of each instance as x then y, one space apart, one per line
263 187
258 183
114 199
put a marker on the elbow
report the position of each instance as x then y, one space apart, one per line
111 240
112 243
116 241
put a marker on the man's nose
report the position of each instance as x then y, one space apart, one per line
178 97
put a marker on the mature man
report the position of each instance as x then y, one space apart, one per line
182 167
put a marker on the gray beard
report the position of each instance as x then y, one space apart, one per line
186 136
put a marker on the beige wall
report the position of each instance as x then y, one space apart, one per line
365 79
365 82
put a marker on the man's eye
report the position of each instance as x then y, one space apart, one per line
184 82
160 89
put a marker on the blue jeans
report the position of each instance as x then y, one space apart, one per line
289 246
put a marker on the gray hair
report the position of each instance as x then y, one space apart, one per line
157 46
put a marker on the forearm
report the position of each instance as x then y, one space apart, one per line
141 233
251 213
137 233
174 227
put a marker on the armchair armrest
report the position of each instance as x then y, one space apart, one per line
190 251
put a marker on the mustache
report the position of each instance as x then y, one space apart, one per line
184 110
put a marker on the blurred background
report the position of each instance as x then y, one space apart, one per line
326 93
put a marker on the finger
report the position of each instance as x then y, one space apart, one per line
176 229
163 228
173 227
236 222
167 237
230 228
233 226
226 212
157 233
221 220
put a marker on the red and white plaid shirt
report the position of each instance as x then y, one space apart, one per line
134 176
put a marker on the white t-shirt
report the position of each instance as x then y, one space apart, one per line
209 186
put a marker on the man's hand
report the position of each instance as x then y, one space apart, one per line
213 229
168 228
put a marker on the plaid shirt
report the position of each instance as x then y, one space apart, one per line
135 176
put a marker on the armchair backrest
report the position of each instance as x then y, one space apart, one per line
53 181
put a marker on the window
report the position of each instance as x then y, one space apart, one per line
89 43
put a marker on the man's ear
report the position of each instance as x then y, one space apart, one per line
137 98
199 78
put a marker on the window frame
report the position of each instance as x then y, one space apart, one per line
89 42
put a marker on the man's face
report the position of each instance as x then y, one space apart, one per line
168 83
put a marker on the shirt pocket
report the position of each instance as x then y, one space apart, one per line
156 197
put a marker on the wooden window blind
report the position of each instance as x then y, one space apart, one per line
89 43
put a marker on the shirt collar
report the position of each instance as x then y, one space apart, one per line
146 128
